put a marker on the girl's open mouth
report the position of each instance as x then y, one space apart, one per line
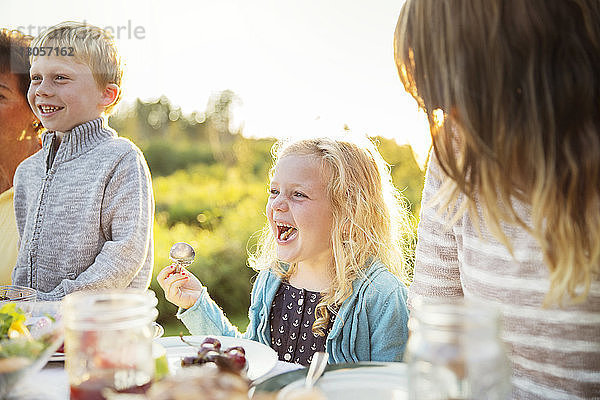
285 232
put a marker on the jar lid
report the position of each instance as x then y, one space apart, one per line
109 309
454 315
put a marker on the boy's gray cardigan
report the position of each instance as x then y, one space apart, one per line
84 214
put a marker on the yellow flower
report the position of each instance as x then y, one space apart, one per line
17 329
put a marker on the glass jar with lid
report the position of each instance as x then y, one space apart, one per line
454 352
108 342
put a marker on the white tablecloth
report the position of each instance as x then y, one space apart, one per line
50 383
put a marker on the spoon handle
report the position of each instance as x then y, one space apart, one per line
316 368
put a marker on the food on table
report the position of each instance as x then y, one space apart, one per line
232 359
27 337
98 389
18 348
201 382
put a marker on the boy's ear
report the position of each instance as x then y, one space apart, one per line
110 94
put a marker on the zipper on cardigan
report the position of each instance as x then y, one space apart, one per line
51 154
33 244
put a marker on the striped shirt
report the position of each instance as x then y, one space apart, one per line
555 352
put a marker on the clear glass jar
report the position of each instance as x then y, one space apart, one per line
108 342
454 352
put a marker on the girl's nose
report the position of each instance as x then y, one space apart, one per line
280 203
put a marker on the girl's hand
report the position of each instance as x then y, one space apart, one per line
181 287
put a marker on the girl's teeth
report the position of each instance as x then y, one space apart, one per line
287 234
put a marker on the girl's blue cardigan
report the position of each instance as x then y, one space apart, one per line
371 324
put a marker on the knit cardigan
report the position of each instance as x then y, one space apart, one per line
84 214
371 324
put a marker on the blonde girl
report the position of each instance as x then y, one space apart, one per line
332 272
511 205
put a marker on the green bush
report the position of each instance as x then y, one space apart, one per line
214 208
165 157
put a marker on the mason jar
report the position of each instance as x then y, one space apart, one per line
454 351
108 342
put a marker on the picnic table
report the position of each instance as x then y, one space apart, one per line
51 383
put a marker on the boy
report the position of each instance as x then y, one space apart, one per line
83 204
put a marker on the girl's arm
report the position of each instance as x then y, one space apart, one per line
204 316
198 312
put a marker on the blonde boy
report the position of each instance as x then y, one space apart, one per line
83 204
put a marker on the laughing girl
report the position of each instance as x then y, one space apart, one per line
332 273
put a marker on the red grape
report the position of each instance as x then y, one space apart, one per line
211 342
236 348
232 359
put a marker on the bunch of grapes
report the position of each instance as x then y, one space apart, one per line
232 359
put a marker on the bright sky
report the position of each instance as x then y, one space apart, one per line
297 66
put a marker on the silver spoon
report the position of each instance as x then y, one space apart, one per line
182 255
316 368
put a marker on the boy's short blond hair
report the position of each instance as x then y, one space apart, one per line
92 46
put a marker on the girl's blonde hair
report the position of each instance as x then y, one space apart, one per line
512 92
370 218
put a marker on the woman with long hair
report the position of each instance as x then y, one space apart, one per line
511 205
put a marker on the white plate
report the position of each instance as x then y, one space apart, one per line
261 359
386 382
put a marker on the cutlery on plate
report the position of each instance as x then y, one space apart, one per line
316 368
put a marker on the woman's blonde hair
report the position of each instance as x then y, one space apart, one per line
90 45
512 92
370 218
